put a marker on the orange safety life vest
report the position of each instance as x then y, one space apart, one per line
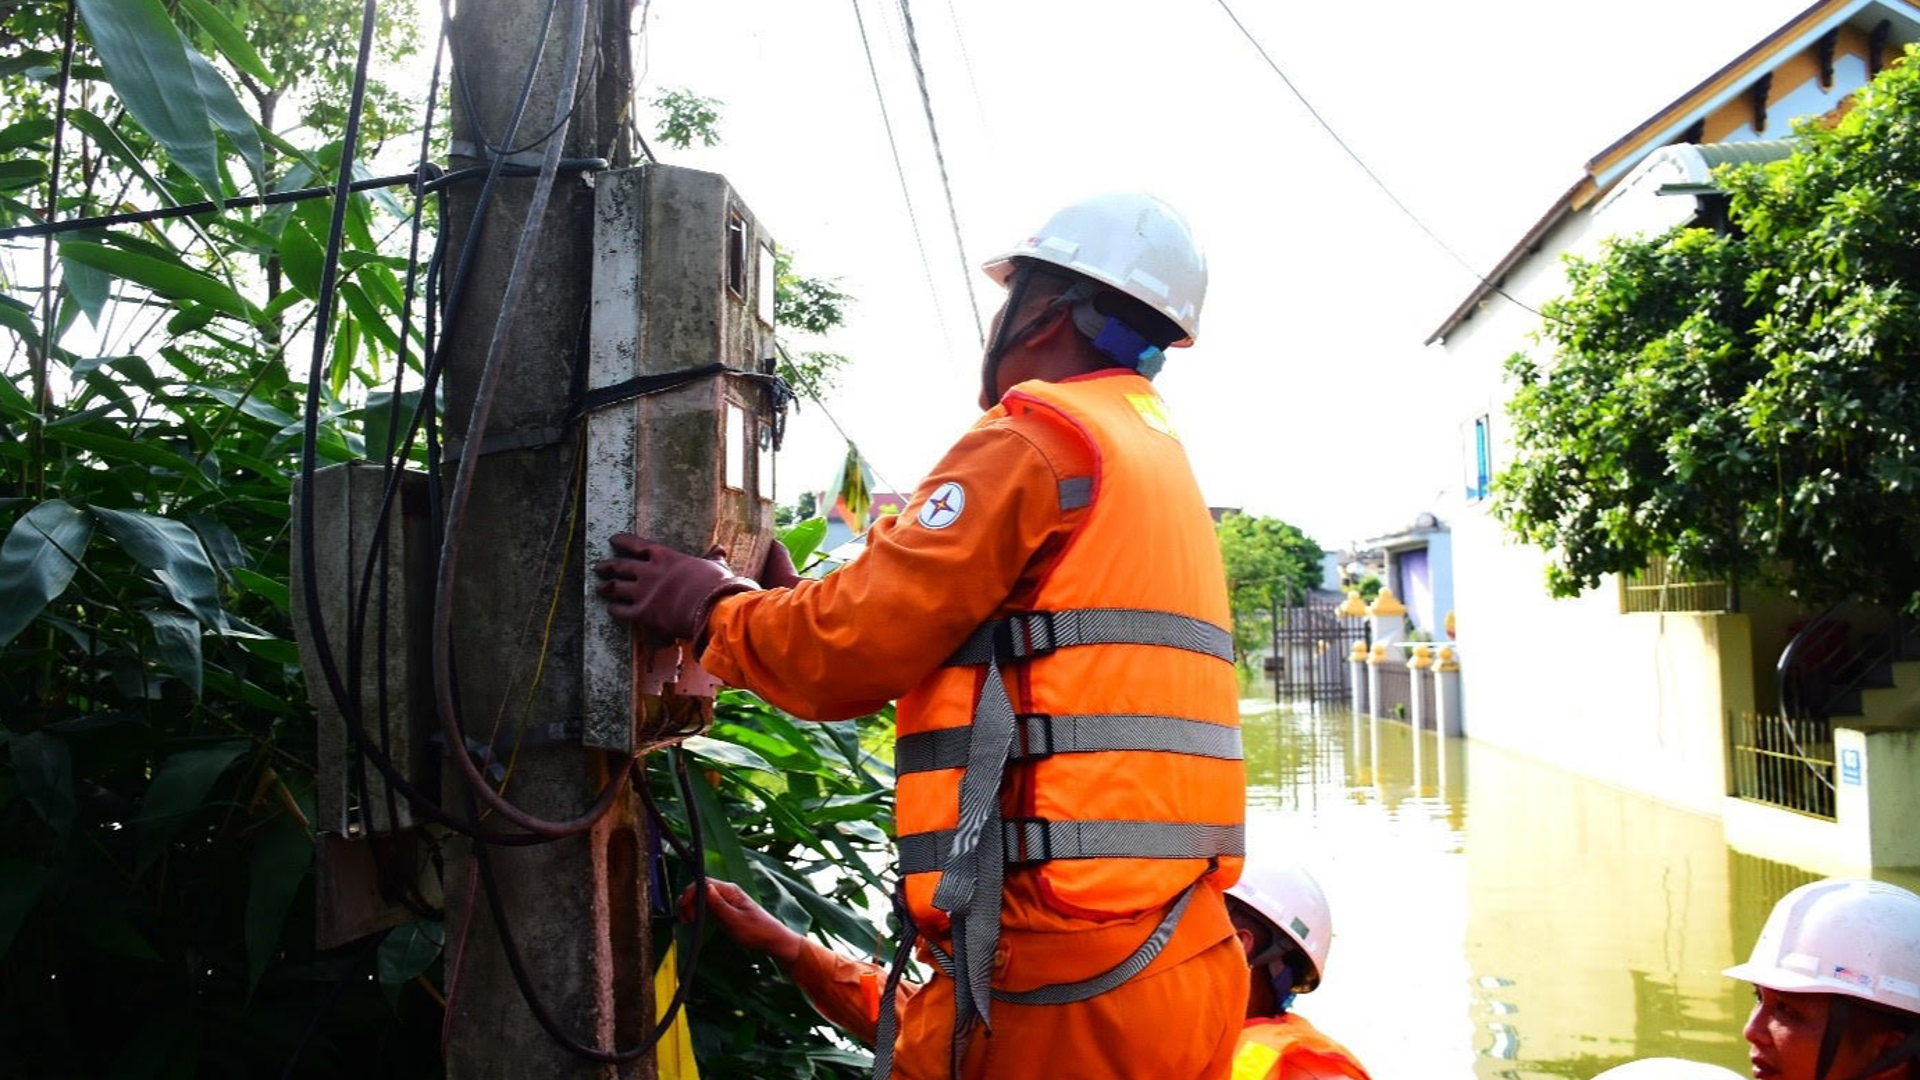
1109 708
1286 1046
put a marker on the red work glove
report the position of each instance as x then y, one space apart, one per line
653 587
745 921
777 571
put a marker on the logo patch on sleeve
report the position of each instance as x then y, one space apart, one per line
1154 412
943 507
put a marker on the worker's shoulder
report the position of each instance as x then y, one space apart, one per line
1064 448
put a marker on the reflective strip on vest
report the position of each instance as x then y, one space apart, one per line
1029 840
972 857
1033 634
1110 979
1040 735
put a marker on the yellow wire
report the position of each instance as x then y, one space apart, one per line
553 608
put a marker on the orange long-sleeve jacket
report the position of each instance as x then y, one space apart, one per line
869 632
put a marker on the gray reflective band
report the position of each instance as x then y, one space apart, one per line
1040 735
973 856
1110 979
1032 634
1028 840
1134 964
1076 492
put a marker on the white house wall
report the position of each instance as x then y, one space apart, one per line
1625 699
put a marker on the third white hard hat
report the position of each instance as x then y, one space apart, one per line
1131 241
1841 936
1667 1069
1288 898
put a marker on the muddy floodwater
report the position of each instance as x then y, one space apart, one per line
1497 917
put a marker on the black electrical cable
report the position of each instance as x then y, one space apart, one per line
940 159
349 703
488 384
693 853
276 198
466 92
900 171
406 891
1354 155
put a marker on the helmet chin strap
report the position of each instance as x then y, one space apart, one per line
1111 337
1279 973
1005 338
1839 1018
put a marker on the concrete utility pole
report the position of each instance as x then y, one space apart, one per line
578 906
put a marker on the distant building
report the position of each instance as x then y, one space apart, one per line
1419 569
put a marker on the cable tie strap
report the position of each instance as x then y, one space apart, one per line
1030 635
602 397
1029 840
534 438
1041 735
472 151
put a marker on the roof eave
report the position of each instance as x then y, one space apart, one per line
1520 252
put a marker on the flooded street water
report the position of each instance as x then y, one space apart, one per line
1497 917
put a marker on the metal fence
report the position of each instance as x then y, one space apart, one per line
1309 659
1657 589
1782 762
1396 691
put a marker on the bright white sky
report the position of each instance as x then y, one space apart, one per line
1304 398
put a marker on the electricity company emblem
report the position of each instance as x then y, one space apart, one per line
943 507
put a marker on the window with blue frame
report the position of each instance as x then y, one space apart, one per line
1479 463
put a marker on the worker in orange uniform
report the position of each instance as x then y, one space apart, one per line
1051 614
1285 927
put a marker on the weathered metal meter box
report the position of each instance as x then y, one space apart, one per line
681 431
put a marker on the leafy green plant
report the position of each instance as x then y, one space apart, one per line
799 814
1742 403
156 750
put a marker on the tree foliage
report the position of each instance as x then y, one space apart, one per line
1267 562
1745 402
156 749
687 118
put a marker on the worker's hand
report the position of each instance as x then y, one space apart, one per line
745 921
777 571
654 587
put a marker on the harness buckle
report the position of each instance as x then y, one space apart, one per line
1024 636
1014 834
1032 747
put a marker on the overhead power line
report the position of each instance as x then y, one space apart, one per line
906 196
1357 160
946 184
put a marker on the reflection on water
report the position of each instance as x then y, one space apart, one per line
1497 917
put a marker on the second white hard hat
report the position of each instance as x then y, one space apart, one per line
1667 1069
1131 241
1288 898
1841 936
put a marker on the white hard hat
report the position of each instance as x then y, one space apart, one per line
1841 936
1288 898
1131 241
1667 1069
